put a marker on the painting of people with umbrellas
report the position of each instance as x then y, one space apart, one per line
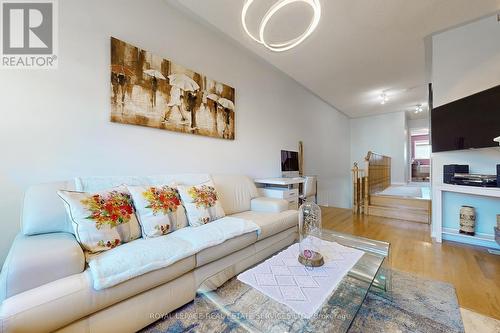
148 90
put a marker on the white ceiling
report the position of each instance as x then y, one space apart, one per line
360 48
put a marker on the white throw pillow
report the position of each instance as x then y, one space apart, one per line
202 203
159 209
102 220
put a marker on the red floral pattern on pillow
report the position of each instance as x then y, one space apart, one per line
163 199
113 208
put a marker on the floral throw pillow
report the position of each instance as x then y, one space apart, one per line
202 203
159 209
102 220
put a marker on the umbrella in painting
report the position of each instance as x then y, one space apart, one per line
119 79
154 73
121 69
183 82
226 104
213 97
213 109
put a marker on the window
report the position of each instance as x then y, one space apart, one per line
422 150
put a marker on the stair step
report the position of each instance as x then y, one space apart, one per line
413 210
404 203
407 214
422 210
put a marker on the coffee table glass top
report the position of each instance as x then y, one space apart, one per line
253 311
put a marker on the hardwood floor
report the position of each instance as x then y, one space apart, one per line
473 271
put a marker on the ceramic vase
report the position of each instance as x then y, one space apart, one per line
467 220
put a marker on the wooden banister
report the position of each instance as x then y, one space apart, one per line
375 177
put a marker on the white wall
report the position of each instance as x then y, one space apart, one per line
55 124
466 60
385 134
418 123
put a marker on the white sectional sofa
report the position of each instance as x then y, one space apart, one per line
45 284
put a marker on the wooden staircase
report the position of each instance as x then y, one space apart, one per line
402 208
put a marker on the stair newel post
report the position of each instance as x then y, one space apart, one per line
355 188
366 187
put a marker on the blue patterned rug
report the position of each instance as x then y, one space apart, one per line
415 305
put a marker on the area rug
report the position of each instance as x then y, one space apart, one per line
415 305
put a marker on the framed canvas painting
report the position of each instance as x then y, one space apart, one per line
148 90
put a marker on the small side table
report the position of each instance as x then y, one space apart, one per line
282 188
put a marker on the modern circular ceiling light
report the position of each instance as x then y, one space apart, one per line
287 45
383 98
419 108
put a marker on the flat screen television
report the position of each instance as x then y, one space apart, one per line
289 161
470 122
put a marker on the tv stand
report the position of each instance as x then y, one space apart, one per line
439 232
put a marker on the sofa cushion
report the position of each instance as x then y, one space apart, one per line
144 255
201 202
217 232
235 192
36 260
291 233
61 302
232 245
102 220
268 205
43 211
130 315
271 223
136 258
159 209
99 183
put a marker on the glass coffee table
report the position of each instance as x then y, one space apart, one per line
249 310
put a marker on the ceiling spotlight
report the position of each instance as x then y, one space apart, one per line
419 108
284 46
384 98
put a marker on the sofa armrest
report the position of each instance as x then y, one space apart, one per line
268 205
36 260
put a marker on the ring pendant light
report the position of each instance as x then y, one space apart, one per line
284 46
